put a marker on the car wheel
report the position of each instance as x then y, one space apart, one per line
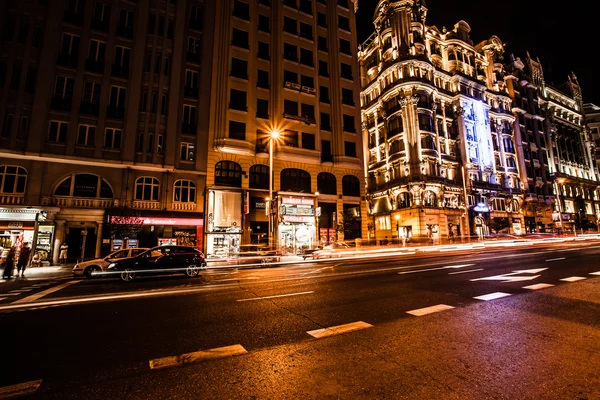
90 271
127 275
192 270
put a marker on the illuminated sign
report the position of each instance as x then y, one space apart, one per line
297 200
297 218
481 207
158 221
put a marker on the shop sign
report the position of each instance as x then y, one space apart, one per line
297 218
297 210
302 235
481 207
566 217
517 228
173 221
259 203
297 200
15 225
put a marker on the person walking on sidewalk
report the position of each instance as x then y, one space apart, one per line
62 258
23 261
9 262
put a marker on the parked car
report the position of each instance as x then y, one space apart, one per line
97 266
256 254
160 260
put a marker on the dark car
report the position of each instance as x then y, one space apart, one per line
158 261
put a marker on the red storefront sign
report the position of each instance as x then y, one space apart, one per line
158 221
297 218
297 200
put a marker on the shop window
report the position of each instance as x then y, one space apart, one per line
184 191
295 180
228 173
429 199
404 200
259 177
84 185
12 179
350 186
146 188
326 183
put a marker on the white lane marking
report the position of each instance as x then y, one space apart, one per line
275 296
435 269
510 276
573 279
17 291
429 310
43 293
25 290
2 298
464 272
336 330
556 259
19 390
492 296
538 286
203 355
595 273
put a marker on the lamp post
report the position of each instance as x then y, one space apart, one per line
558 202
318 216
274 135
398 227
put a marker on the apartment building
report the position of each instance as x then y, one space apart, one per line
284 77
103 137
437 130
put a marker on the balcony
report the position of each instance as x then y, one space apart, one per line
79 202
177 206
89 108
120 70
146 204
11 199
115 112
94 65
61 103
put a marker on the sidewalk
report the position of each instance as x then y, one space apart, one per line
51 272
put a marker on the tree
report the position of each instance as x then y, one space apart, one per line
124 222
349 224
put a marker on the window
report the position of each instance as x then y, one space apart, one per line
57 131
347 97
189 119
349 149
187 151
259 177
151 23
237 100
167 66
306 31
150 149
404 200
343 23
346 71
117 97
164 104
306 6
295 180
69 45
308 111
157 64
63 87
7 126
191 79
84 185
91 92
184 191
308 141
240 38
12 179
86 135
237 130
262 80
326 155
263 51
323 68
326 183
159 144
345 47
263 23
97 50
290 107
322 43
194 45
170 28
429 199
196 17
23 127
239 68
228 173
350 186
262 108
146 189
307 81
122 56
125 27
349 125
290 52
322 20
306 57
324 94
289 25
112 138
101 16
154 105
290 76
325 121
241 10
290 138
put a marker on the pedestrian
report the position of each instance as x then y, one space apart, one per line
62 258
23 261
9 262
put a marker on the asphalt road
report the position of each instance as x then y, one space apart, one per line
515 322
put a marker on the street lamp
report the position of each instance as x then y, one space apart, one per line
318 216
558 202
274 136
398 227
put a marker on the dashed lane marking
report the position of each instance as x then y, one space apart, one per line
573 279
2 298
492 296
556 259
465 272
538 286
435 269
429 310
43 293
595 273
203 355
19 390
336 330
275 296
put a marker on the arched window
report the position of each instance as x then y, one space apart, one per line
228 173
350 186
428 143
326 183
429 198
259 176
84 185
184 191
12 179
146 188
295 180
404 200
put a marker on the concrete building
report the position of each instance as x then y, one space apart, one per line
437 130
592 117
103 137
285 67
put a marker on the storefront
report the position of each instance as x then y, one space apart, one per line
224 225
259 220
296 230
28 225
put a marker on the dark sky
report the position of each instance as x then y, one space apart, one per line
561 36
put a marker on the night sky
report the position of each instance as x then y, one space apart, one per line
561 36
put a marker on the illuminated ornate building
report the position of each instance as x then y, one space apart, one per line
438 137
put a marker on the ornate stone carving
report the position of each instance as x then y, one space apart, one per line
415 99
459 111
403 102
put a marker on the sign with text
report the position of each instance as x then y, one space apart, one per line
258 203
161 221
298 200
297 218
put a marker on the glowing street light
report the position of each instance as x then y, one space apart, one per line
558 201
274 136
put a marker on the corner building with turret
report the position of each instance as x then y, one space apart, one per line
437 130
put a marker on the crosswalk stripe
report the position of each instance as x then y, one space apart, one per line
573 279
203 355
538 286
19 390
492 296
429 310
336 330
43 293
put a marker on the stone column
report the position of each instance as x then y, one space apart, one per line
99 240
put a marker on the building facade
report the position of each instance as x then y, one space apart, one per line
440 149
104 127
289 68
